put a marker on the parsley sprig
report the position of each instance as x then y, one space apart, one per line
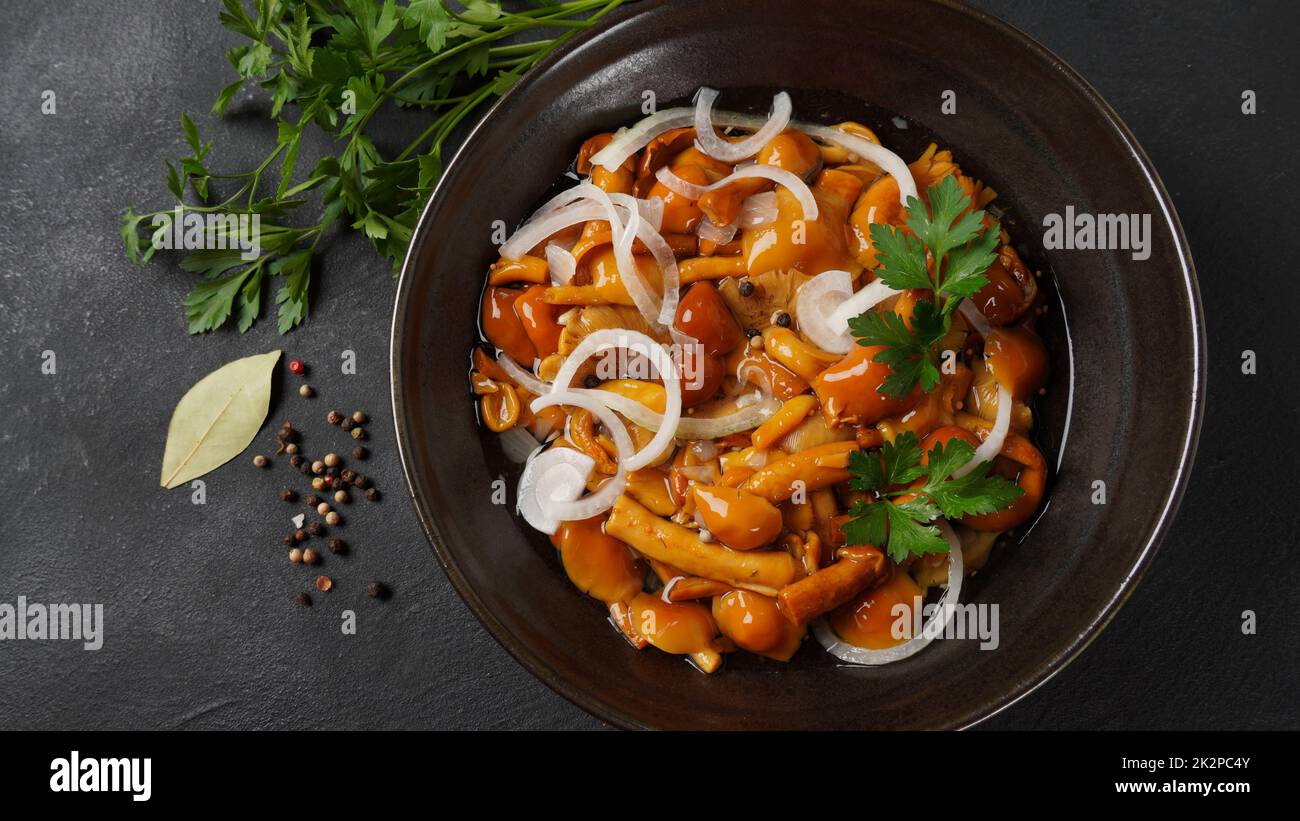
333 66
905 528
939 237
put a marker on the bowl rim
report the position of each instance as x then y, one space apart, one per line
1051 666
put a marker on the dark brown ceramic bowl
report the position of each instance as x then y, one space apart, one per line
1128 352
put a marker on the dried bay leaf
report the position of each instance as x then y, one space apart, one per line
217 418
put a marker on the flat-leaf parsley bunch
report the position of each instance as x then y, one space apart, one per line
909 492
944 235
333 64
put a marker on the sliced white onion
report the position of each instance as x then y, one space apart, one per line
758 210
852 654
522 377
868 297
710 143
652 211
717 234
562 264
572 509
991 446
539 228
550 477
867 150
747 418
815 304
631 139
518 444
658 355
975 317
780 176
677 185
656 313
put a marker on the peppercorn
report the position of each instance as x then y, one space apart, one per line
783 319
260 461
287 434
333 417
359 453
299 535
347 423
295 460
361 481
328 481
753 332
305 468
591 382
316 529
358 433
373 494
306 391
347 475
324 583
338 547
317 483
358 417
295 555
303 599
756 341
342 497
309 556
296 366
333 518
288 495
291 449
318 467
746 288
288 540
322 508
377 590
331 460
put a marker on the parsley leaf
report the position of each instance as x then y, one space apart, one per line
905 528
909 352
340 64
946 235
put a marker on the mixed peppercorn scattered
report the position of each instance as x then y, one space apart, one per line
330 477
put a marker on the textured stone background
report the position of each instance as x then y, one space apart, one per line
201 629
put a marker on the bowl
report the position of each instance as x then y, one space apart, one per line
1119 423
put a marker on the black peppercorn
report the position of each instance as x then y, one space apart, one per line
296 460
753 332
347 423
360 453
746 288
313 500
361 480
348 475
338 547
303 599
333 417
305 468
316 529
289 435
373 494
288 495
288 539
783 319
377 590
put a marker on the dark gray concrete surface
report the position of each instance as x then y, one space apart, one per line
201 631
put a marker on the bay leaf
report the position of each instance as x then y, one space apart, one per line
217 418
